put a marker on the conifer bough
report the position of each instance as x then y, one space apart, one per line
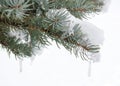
28 25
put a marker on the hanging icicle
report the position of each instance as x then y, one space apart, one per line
89 68
20 65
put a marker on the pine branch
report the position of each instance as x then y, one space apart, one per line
41 20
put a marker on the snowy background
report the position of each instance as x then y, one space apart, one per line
56 67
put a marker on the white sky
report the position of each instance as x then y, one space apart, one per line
56 67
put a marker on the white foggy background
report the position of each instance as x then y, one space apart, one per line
57 67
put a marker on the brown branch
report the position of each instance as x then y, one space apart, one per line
79 9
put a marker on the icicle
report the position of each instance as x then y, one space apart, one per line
89 68
93 58
20 65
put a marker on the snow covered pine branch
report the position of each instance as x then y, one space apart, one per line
28 25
